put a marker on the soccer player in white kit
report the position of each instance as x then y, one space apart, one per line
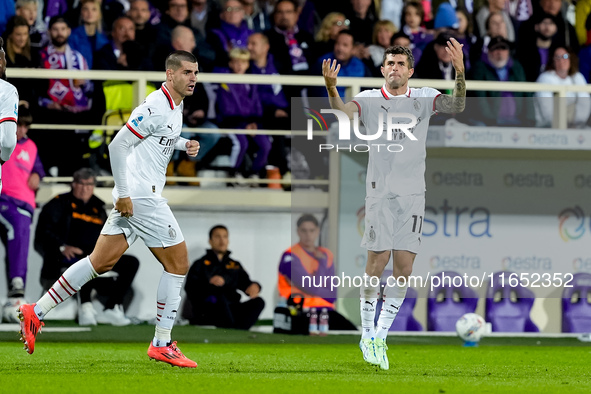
395 183
139 155
8 113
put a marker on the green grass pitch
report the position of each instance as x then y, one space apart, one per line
114 360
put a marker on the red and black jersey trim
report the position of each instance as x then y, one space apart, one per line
8 120
358 106
434 101
138 135
384 93
168 96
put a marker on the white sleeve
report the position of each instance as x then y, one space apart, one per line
119 150
7 139
181 144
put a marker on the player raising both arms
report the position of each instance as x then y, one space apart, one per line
8 113
139 156
395 183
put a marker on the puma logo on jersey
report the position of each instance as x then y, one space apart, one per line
385 109
394 306
169 126
370 303
149 110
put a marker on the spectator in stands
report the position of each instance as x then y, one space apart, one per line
535 56
582 12
306 259
331 26
21 175
88 37
71 101
585 54
38 35
435 61
403 40
495 27
7 10
177 13
465 36
392 11
308 20
205 16
351 66
145 33
275 105
239 106
292 48
363 17
494 6
70 95
123 52
18 54
382 35
256 18
501 108
565 34
413 14
232 33
212 288
563 69
68 228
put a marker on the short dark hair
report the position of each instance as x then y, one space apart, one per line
57 19
173 61
399 50
24 116
296 6
346 33
84 173
217 227
307 217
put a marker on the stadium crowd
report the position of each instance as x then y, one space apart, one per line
504 40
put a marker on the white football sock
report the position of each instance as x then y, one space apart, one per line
393 298
369 299
168 300
66 286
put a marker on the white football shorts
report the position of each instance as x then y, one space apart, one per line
152 221
394 223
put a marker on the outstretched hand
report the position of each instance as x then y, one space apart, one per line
330 72
454 48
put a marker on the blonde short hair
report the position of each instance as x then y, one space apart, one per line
239 53
383 24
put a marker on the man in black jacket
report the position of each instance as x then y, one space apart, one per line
212 284
68 228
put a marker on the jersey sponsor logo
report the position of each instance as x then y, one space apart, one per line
169 126
24 156
371 234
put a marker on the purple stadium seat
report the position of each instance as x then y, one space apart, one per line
508 308
576 304
446 304
404 321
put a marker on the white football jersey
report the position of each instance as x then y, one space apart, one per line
157 122
8 102
389 173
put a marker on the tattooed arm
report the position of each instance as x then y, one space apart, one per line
457 101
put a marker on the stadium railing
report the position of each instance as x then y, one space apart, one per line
352 85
